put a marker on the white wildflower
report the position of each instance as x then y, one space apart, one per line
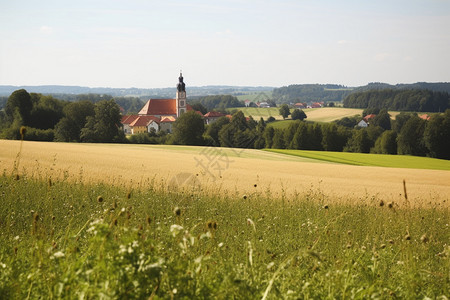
175 229
58 254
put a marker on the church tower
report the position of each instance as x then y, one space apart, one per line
181 96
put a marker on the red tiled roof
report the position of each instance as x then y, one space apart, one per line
144 121
159 107
425 117
128 119
214 114
162 107
167 120
368 117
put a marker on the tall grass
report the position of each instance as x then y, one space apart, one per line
61 239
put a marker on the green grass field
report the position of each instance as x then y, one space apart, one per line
62 240
379 160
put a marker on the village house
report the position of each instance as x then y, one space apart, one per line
212 116
366 120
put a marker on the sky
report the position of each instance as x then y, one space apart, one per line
145 43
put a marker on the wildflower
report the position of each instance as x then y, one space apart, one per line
175 229
58 254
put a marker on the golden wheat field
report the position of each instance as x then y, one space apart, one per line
219 170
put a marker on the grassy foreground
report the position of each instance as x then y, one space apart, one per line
77 240
364 159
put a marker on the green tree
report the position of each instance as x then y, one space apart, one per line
401 120
278 139
20 101
300 140
188 129
298 114
359 142
386 143
47 112
269 132
332 138
410 140
284 111
383 119
69 127
104 126
213 129
437 135
260 142
199 107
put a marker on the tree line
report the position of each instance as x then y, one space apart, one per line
408 134
400 100
50 119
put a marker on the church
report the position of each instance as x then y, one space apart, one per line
158 114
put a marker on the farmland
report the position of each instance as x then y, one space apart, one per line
137 222
232 170
325 114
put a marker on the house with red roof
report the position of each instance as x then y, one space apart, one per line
212 116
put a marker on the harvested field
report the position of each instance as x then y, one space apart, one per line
221 170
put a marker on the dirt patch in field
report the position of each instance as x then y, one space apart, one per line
235 172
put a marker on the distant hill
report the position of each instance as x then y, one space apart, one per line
331 92
6 90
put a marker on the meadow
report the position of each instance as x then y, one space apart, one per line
96 221
365 159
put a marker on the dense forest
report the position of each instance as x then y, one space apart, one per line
310 92
217 102
400 100
336 93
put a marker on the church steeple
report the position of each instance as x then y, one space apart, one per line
181 87
181 96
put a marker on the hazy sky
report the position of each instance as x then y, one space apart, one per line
145 43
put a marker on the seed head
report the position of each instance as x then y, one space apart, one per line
424 238
99 199
149 220
391 204
382 246
255 185
381 203
23 130
325 206
177 211
407 237
129 195
244 197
